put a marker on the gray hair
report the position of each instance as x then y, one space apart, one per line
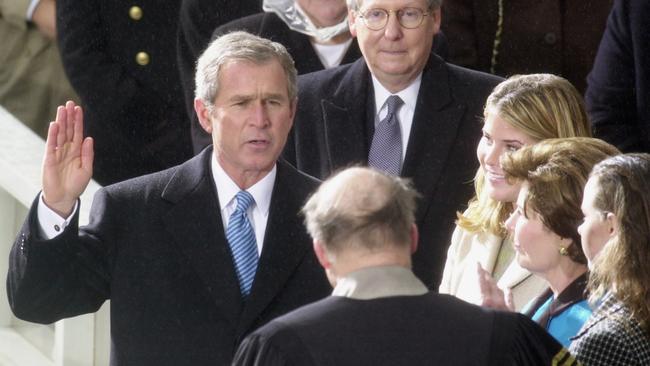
237 46
356 4
361 207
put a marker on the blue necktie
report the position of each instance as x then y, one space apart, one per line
386 148
243 246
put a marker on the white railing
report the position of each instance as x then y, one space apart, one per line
79 341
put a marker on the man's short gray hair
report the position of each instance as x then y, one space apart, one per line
237 46
356 4
361 207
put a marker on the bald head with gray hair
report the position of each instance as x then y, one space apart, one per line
240 46
361 208
356 4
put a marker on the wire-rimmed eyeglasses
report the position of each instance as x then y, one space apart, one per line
377 18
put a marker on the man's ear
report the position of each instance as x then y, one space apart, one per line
321 254
352 22
294 107
415 236
437 19
203 114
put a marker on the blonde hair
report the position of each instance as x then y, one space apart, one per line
542 106
622 265
556 171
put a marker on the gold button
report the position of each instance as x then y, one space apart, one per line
135 13
142 58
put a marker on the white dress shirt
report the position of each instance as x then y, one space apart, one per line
331 55
405 114
258 212
31 8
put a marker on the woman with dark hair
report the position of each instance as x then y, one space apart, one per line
544 223
616 240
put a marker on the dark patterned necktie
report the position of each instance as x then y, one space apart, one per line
386 148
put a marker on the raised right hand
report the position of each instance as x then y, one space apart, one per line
68 161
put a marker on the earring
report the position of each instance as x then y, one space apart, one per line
564 251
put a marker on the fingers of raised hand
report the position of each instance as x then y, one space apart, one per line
78 132
71 121
60 122
68 128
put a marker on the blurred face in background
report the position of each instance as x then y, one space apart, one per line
596 228
499 137
324 13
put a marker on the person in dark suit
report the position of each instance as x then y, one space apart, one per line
189 269
618 86
380 313
340 110
119 58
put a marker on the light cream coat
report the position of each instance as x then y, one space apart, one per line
460 276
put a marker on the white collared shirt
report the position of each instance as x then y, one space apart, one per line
331 55
406 112
258 212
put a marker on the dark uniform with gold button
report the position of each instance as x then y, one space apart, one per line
120 58
507 37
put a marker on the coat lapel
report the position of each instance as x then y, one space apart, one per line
282 251
608 307
435 126
196 226
344 119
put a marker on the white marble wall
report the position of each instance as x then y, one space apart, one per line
79 341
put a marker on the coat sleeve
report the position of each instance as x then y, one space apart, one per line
54 279
15 12
275 344
517 340
611 90
257 350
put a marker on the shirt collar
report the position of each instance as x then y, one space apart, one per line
409 95
227 188
379 281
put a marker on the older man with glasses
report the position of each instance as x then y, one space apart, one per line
401 109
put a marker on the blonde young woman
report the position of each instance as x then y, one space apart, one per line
522 110
616 240
544 226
